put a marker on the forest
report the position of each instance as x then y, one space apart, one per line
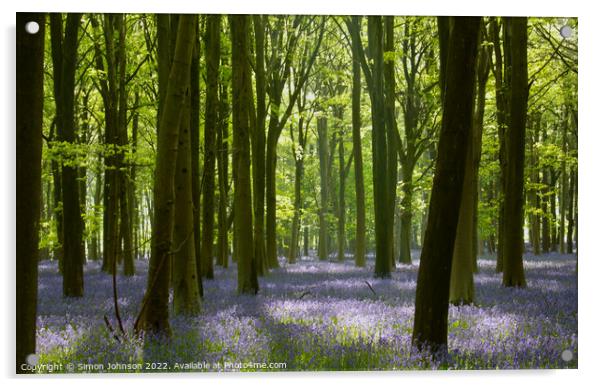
295 192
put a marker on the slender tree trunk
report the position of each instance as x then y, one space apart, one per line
380 179
73 261
30 104
241 93
272 142
222 166
155 313
432 292
258 144
514 199
298 151
58 212
195 143
185 274
563 185
211 123
483 68
323 148
570 207
341 199
358 165
392 132
502 121
406 216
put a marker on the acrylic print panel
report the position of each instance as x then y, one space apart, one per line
273 193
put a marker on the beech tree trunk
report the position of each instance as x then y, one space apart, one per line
73 224
513 190
212 55
155 310
258 144
432 292
243 209
185 274
358 165
30 103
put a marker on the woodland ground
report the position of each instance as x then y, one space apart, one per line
318 316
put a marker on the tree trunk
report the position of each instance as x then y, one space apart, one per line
432 292
513 190
501 100
30 103
342 177
380 175
570 207
392 132
155 313
405 256
195 143
73 249
272 142
212 55
299 152
222 166
185 274
358 165
241 94
258 145
323 149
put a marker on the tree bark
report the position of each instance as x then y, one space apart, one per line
185 274
258 145
73 249
358 165
195 143
380 165
241 94
432 292
323 150
212 55
30 104
155 313
513 190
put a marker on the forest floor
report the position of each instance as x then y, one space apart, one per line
315 316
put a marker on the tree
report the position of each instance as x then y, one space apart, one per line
380 180
258 144
64 55
212 56
154 314
464 257
195 128
513 243
185 273
432 291
241 95
360 227
323 153
30 102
